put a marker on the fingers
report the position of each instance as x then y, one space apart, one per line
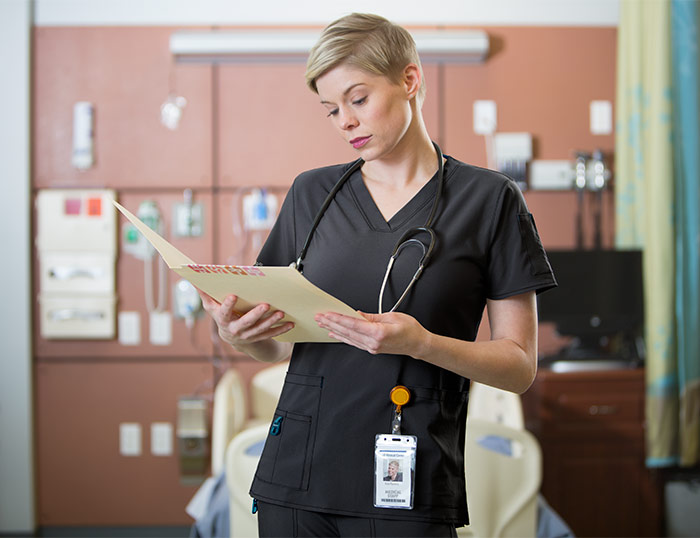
226 312
254 326
346 324
255 321
358 333
258 334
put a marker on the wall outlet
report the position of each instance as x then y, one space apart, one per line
161 439
130 439
484 117
601 117
161 328
129 328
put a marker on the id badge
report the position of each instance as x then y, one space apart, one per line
394 470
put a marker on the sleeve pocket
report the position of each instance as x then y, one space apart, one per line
535 251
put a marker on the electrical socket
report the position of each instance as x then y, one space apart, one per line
484 117
130 439
161 439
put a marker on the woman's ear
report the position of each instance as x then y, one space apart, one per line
412 79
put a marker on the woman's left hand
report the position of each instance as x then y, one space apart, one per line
393 333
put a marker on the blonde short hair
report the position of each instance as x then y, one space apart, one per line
365 41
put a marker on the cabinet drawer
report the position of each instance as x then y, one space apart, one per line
598 408
598 415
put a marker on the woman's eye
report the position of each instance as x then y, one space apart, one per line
360 101
332 112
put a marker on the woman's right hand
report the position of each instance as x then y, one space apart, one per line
248 331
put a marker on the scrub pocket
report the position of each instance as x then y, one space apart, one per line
438 418
535 250
286 458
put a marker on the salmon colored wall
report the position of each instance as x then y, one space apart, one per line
244 125
82 478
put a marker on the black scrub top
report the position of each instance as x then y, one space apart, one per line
319 454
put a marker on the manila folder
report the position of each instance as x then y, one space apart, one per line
283 288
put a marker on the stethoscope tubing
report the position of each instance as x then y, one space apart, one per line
405 240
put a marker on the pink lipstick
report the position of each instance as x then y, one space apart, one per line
360 141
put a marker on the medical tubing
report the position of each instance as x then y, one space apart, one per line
436 201
403 242
386 277
148 284
327 202
162 285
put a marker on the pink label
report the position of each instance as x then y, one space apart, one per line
227 269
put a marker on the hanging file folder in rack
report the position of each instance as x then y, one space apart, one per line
283 288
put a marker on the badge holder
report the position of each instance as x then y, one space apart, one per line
395 460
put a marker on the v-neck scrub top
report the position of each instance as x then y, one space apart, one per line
319 454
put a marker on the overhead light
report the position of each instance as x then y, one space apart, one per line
294 45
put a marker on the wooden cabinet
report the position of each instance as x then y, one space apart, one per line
591 428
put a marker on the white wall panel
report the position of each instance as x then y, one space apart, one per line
16 444
320 12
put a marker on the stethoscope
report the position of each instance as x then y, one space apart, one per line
407 239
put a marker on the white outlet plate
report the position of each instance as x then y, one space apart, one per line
484 117
129 324
130 439
161 328
161 439
601 118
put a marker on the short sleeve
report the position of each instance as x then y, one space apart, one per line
517 262
280 247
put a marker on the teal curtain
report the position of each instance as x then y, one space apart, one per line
644 195
684 24
658 209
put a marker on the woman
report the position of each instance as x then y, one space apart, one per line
336 398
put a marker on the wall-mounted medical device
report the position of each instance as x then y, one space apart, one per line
187 304
192 439
83 135
77 247
512 153
134 243
253 213
259 210
188 217
171 111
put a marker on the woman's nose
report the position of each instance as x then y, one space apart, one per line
347 120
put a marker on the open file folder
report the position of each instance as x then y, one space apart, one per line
283 288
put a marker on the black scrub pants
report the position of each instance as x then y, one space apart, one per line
280 521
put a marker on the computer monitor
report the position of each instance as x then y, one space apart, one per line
600 295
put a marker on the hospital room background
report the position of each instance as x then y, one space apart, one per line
196 117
